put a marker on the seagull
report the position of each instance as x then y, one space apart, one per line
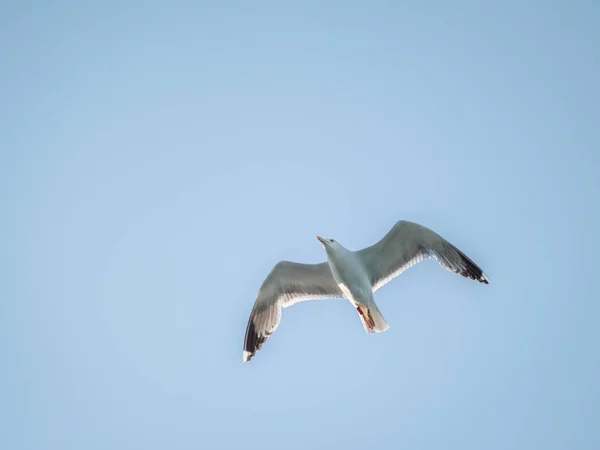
353 275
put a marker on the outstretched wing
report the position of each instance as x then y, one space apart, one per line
287 283
408 243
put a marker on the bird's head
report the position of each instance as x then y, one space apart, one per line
328 243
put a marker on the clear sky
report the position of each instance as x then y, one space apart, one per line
158 158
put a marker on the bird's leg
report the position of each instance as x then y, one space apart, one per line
362 315
369 313
366 317
360 311
370 319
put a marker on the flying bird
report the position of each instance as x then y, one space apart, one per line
354 275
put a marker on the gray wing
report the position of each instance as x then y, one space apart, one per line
408 243
287 283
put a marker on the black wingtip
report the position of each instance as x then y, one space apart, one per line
471 270
253 342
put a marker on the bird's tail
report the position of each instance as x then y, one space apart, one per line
371 318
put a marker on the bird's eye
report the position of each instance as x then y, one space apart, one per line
330 240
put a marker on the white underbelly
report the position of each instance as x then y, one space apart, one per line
351 279
355 295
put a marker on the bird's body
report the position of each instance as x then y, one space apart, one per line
354 275
351 276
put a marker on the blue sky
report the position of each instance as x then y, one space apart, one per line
157 159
